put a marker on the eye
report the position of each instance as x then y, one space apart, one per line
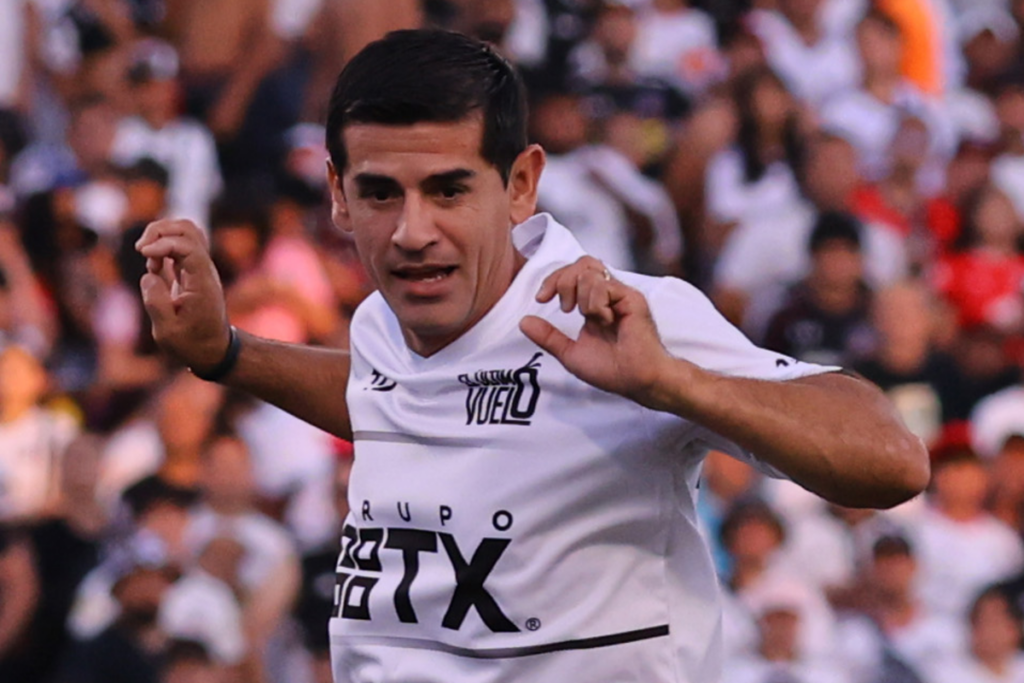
452 192
381 195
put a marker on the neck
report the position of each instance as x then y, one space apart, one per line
807 28
904 357
882 87
11 411
835 299
997 663
960 512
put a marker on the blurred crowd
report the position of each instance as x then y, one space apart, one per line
844 178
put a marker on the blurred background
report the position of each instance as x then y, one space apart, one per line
844 178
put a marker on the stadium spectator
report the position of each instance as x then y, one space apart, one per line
158 131
825 319
960 546
993 645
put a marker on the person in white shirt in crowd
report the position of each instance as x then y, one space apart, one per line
782 614
268 571
32 438
14 71
869 116
158 130
960 546
619 215
1008 168
678 42
884 626
816 62
993 645
759 176
749 288
756 538
43 165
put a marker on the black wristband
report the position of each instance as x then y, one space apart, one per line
227 364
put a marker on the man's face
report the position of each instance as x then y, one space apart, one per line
432 222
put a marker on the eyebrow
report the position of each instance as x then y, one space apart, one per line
370 180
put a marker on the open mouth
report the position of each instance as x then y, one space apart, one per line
429 274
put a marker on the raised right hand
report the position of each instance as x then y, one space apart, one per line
183 294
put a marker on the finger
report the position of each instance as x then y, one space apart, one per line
167 228
545 335
566 287
170 246
547 288
599 304
156 296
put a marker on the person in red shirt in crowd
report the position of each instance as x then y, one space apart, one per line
982 277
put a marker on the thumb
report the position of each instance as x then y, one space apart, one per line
545 335
156 296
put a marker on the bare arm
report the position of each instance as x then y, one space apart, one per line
185 300
836 436
19 586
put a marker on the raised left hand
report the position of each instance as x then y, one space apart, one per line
618 348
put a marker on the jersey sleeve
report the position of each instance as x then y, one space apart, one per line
693 330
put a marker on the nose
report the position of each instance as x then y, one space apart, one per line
416 230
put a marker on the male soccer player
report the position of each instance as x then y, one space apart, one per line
529 428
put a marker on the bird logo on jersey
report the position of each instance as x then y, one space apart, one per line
506 397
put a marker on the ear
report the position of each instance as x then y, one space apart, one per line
522 183
339 205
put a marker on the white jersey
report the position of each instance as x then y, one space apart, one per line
512 523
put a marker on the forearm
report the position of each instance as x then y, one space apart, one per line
308 382
836 436
20 588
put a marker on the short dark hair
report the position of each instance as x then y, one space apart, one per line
835 226
892 546
415 76
746 511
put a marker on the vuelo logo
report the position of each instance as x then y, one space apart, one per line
506 397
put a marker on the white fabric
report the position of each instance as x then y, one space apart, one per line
133 452
588 190
94 607
292 458
1007 173
840 17
680 46
31 449
186 149
957 559
117 318
526 41
996 418
202 608
731 199
289 19
966 669
12 49
819 550
870 125
579 502
927 639
759 670
811 72
267 545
